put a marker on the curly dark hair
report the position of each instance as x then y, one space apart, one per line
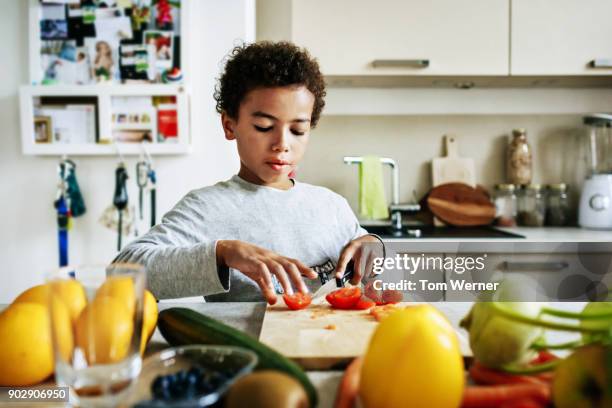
264 65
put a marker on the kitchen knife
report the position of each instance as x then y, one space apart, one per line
332 284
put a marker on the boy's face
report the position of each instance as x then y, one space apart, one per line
271 133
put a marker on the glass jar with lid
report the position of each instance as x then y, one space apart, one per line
557 207
519 159
531 206
504 198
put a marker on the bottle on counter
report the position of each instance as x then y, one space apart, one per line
557 207
519 160
504 198
531 206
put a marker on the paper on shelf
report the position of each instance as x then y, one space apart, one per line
74 124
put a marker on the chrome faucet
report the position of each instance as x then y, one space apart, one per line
396 208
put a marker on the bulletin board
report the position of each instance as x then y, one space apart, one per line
85 42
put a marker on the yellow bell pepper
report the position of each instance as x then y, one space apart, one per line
413 360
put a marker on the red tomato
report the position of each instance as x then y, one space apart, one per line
392 296
344 298
297 301
364 303
382 297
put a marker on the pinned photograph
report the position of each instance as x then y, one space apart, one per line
137 62
163 43
103 63
42 129
63 62
53 29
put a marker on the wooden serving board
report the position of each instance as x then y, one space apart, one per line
461 205
306 336
452 168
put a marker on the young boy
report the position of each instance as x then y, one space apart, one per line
229 241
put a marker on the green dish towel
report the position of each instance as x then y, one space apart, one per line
372 200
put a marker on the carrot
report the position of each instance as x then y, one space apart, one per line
348 389
484 375
498 395
524 403
546 377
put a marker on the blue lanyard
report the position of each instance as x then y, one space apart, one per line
63 223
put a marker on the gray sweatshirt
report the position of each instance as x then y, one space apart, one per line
306 222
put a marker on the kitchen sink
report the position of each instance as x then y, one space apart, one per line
428 231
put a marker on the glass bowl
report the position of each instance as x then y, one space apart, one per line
231 362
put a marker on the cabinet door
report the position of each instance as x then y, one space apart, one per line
561 37
359 37
567 276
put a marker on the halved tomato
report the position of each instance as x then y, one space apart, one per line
392 296
364 303
382 297
297 301
344 298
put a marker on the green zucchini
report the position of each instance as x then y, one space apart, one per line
181 326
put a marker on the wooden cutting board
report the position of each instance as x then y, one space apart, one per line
306 336
461 205
452 168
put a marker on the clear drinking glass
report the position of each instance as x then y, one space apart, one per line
96 315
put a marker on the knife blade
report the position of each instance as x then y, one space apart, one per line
332 284
328 287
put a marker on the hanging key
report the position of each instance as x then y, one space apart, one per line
142 174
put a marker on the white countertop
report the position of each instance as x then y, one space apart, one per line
533 234
561 234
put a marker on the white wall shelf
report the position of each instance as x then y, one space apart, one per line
104 94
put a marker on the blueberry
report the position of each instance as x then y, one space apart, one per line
177 390
195 372
181 376
193 379
172 378
160 387
204 387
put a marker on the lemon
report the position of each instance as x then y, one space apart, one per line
72 294
104 330
69 291
149 320
61 319
26 355
35 294
121 288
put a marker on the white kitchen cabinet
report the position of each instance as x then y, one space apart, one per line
561 37
404 37
565 276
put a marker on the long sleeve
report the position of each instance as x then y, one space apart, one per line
348 220
180 259
306 222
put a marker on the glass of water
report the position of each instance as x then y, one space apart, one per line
96 317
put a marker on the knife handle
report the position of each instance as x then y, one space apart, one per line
348 274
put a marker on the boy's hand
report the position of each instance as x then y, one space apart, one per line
260 264
354 250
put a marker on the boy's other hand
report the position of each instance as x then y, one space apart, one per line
354 250
260 264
